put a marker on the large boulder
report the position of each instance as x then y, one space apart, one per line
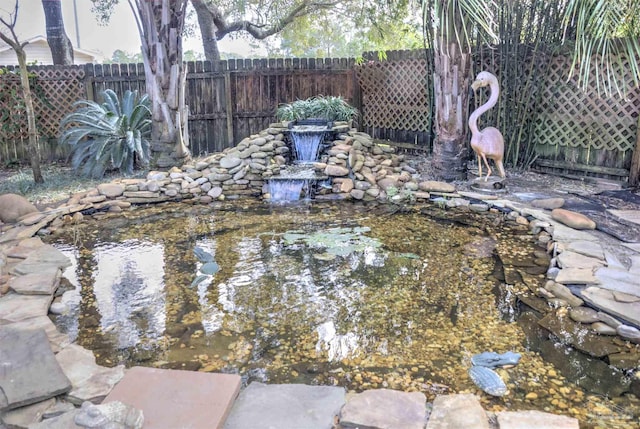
13 207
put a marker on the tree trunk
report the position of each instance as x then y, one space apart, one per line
34 152
207 30
161 23
59 43
451 89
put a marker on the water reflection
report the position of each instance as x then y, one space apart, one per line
330 296
128 288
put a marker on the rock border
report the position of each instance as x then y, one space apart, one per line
581 268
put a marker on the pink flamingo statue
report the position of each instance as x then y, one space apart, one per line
486 143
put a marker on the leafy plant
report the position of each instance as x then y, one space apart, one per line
111 135
330 108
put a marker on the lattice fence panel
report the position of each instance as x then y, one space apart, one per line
395 94
571 117
54 91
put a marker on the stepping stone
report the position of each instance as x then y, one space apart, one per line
91 382
286 406
456 412
44 283
29 372
385 409
15 307
535 420
178 399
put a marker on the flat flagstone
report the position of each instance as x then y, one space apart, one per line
57 340
535 420
15 307
63 421
570 259
632 216
605 300
29 372
43 283
178 399
286 406
24 416
385 409
25 248
42 258
91 382
580 276
564 233
618 280
587 248
456 412
574 333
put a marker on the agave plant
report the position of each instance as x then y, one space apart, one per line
109 136
329 108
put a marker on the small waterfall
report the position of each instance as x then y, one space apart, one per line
299 179
306 141
284 190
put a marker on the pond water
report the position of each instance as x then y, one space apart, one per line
330 294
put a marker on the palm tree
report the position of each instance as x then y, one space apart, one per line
450 26
601 32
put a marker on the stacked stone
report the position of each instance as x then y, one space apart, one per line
363 170
235 172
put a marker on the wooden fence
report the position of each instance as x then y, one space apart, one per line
228 100
575 131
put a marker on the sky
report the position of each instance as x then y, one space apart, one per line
121 33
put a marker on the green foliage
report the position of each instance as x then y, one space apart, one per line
111 135
336 241
123 57
329 108
13 120
605 31
348 32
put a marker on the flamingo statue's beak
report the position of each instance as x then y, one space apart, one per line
475 85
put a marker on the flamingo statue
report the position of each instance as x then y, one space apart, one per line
487 143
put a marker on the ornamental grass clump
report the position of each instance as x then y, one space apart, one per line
113 135
329 108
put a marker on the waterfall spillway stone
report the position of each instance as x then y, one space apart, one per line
298 179
306 141
293 183
285 190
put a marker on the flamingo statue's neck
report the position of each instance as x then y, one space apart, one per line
493 99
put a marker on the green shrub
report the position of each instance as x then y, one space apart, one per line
329 108
109 136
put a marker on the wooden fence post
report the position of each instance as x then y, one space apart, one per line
88 81
634 172
228 106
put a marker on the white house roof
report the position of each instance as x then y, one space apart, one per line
39 38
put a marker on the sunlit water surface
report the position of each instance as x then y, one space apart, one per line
325 294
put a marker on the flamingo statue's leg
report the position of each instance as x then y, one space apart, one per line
501 169
484 158
479 165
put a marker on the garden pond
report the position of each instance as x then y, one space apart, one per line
355 295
